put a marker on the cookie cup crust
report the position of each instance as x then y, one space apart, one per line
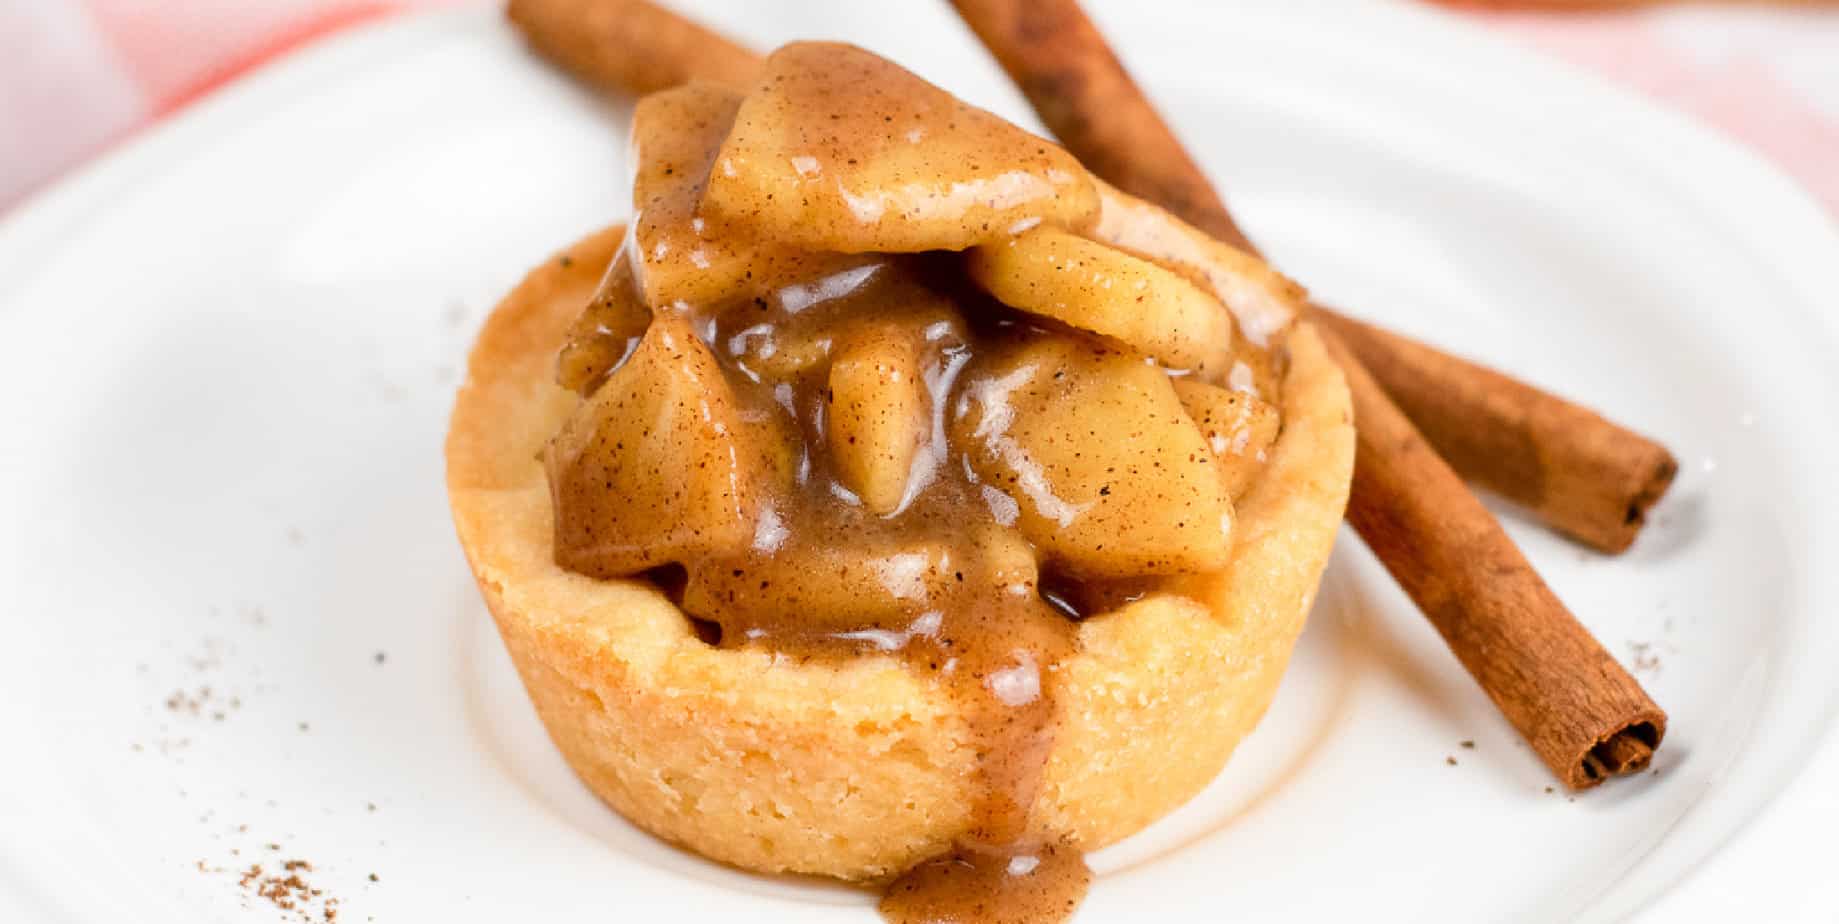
856 768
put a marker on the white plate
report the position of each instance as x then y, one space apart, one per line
227 353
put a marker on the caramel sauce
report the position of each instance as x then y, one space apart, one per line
1044 884
833 452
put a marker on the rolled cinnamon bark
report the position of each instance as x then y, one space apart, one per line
630 46
1584 715
1580 473
1578 708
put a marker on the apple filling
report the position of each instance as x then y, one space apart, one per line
883 374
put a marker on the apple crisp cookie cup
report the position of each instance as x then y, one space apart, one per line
854 769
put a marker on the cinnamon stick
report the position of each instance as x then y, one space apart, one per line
1580 473
1575 705
630 46
1578 708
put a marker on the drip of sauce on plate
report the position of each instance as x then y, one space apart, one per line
1044 884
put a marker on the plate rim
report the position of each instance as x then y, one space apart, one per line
1796 221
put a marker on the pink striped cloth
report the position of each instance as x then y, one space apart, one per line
79 75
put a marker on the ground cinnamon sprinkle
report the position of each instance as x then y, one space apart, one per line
1646 660
186 703
284 885
289 891
202 702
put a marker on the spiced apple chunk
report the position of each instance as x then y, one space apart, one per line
1003 524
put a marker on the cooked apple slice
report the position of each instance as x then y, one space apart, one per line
880 415
675 135
1110 476
1238 427
837 149
790 331
1262 300
660 465
1095 287
606 331
780 353
857 582
884 384
822 588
